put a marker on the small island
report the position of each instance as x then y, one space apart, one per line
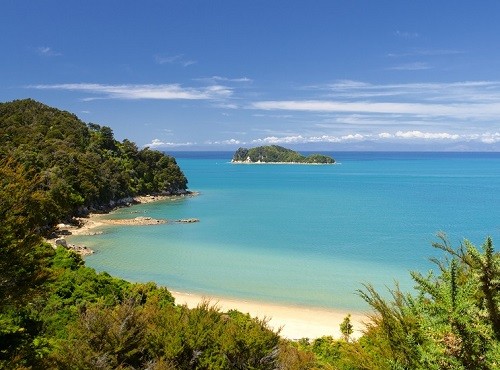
277 154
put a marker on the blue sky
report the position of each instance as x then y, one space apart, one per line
216 75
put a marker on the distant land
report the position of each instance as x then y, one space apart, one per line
277 154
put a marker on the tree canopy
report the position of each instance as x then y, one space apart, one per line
277 154
80 165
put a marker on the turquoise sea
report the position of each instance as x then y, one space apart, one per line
305 234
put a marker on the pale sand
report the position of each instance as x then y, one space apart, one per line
295 322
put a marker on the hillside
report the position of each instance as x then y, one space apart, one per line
277 154
81 165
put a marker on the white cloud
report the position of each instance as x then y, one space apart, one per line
231 142
458 102
215 79
299 139
225 142
414 66
490 138
137 92
47 52
424 52
421 109
280 140
174 59
157 143
385 135
427 135
413 136
461 92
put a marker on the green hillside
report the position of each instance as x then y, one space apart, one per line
81 166
277 154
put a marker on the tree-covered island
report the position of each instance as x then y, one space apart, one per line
277 154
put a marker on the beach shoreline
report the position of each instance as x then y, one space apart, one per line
87 225
294 322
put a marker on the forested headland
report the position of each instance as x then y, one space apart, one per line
57 313
79 166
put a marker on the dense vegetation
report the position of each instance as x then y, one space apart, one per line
56 313
277 154
80 166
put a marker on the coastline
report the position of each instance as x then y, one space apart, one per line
87 225
296 322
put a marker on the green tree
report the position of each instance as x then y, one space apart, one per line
24 206
346 328
24 260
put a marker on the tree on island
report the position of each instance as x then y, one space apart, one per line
277 154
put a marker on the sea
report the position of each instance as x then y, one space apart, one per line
306 235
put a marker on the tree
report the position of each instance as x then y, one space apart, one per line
346 328
23 261
24 207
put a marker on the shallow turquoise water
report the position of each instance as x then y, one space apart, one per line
306 235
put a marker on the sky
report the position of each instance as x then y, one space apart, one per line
218 75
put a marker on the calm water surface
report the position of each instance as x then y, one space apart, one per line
306 235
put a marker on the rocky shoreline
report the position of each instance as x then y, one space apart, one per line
87 225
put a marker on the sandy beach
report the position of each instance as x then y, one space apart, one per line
295 322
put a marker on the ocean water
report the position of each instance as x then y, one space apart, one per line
306 234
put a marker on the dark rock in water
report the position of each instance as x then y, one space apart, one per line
187 220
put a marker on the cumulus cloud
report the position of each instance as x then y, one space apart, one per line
414 136
231 142
385 135
299 139
280 140
139 92
490 138
426 135
157 143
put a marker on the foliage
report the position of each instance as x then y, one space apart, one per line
276 154
452 322
79 165
23 255
346 328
